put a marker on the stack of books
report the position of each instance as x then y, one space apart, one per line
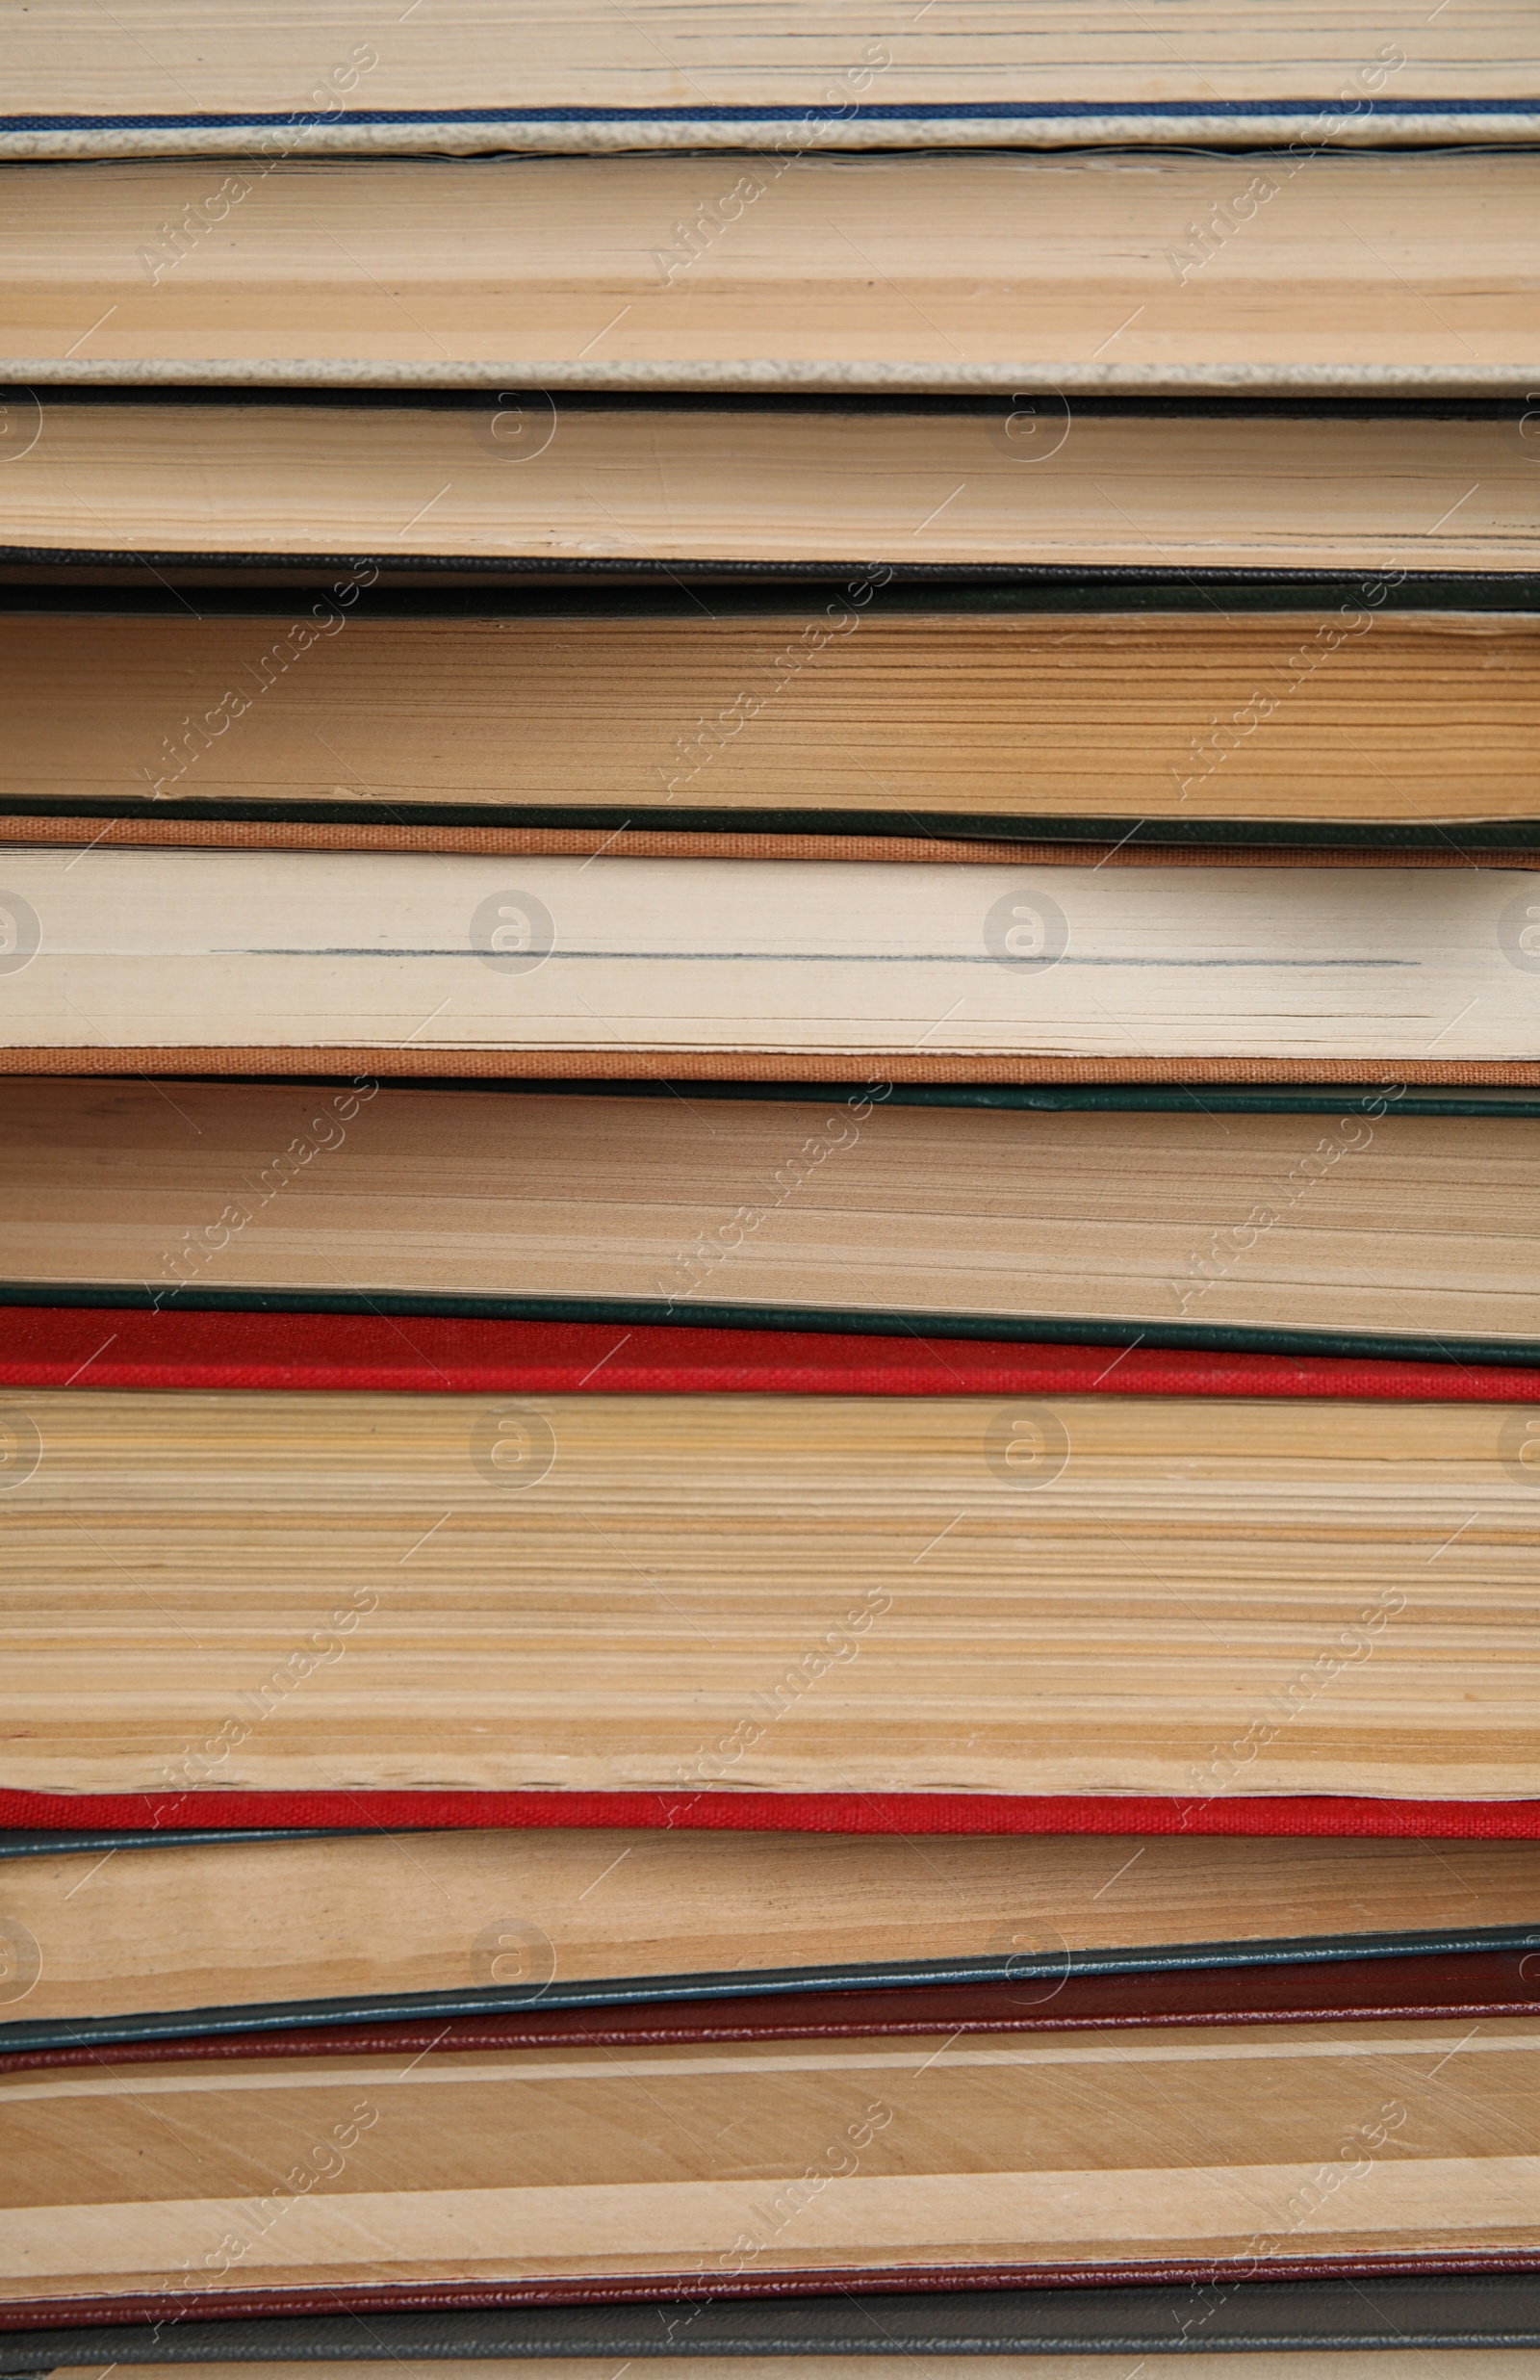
770 1071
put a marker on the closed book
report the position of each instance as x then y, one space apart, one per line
121 1938
272 962
1163 275
801 75
955 2139
470 1576
874 717
323 491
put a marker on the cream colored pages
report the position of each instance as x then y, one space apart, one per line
1030 479
1406 1227
1363 715
1199 1599
815 61
1313 274
1275 2143
168 1925
194 951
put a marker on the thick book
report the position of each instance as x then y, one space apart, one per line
1162 274
872 711
1376 1221
946 2138
269 962
986 1603
156 1940
339 487
798 75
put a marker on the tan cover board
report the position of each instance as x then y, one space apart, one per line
1037 480
1199 1598
1165 274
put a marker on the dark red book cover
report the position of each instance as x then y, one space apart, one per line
1472 1989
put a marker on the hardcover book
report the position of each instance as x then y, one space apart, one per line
795 76
1162 274
958 2141
958 1589
336 487
155 1941
153 962
586 721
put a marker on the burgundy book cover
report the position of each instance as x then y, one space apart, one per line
66 1347
1471 1987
